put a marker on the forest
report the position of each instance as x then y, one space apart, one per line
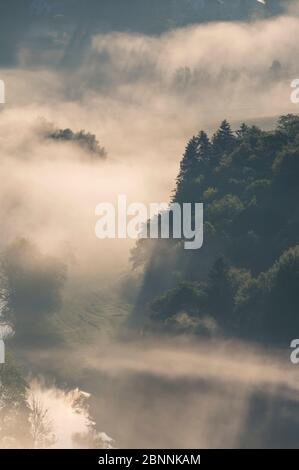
146 343
243 282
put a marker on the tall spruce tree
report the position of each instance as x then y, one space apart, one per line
204 147
188 172
223 140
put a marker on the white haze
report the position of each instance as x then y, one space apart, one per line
66 412
144 97
179 393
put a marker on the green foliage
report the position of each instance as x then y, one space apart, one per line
223 140
209 194
286 167
14 411
32 285
246 275
225 209
282 299
85 140
185 296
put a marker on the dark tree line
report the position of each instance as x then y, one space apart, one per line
244 280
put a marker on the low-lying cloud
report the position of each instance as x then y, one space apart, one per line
166 393
142 97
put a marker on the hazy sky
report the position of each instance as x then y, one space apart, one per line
142 95
143 76
39 23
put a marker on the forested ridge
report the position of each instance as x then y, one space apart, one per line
244 281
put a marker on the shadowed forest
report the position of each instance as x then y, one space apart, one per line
121 343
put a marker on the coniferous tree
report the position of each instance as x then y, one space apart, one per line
205 153
205 162
204 147
188 172
251 217
220 290
223 140
241 133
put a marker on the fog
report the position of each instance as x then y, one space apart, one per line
176 393
143 96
